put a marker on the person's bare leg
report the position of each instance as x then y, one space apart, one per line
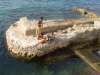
41 41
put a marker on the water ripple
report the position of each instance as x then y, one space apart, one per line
13 10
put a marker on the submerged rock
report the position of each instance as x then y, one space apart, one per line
22 42
80 10
93 15
85 12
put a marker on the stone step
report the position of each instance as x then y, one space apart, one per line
89 57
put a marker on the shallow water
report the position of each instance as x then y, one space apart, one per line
12 10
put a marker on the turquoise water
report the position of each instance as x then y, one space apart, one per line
12 10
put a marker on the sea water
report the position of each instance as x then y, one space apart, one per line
12 10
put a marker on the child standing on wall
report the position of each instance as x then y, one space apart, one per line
40 24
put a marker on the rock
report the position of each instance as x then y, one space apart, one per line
69 30
25 46
26 26
40 53
92 15
85 12
97 23
80 10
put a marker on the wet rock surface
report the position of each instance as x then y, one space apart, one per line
85 12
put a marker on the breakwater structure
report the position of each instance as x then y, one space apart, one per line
22 42
85 12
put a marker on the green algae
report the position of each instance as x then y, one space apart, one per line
97 45
88 56
58 56
81 46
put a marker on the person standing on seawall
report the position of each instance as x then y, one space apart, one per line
40 24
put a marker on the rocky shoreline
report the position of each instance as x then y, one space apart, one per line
22 42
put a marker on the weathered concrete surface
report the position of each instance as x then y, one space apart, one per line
89 57
22 42
86 51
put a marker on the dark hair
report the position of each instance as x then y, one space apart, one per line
42 33
41 18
